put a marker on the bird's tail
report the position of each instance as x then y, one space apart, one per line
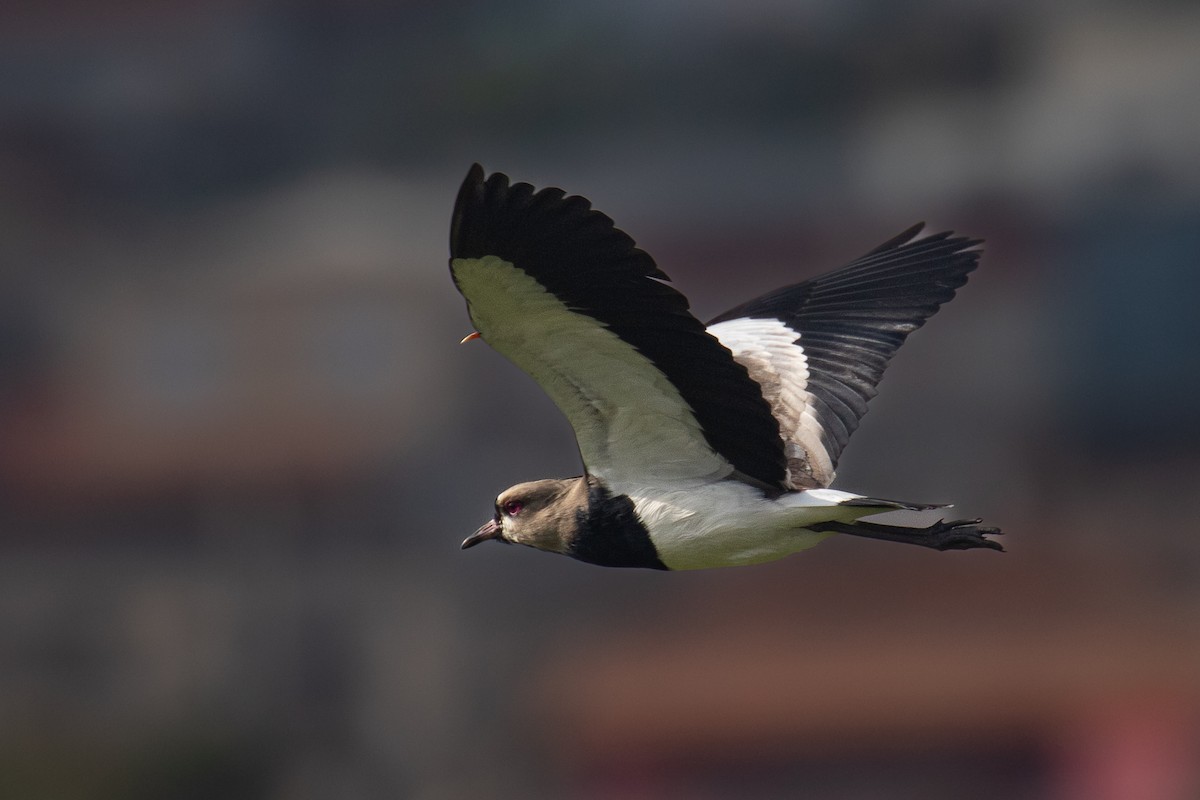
853 505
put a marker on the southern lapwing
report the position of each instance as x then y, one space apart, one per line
703 446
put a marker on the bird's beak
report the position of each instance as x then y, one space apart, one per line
470 336
489 530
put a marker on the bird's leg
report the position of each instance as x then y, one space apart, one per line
961 534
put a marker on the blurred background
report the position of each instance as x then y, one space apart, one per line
240 444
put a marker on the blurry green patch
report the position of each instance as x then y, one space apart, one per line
187 766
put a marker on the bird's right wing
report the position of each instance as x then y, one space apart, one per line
819 348
652 397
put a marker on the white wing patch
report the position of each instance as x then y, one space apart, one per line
768 350
631 423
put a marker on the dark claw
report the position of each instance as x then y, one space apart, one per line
962 534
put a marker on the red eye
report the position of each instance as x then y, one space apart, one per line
513 507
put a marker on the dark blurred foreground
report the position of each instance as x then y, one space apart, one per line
239 443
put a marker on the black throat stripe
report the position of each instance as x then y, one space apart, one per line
610 534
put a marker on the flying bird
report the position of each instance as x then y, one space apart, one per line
703 445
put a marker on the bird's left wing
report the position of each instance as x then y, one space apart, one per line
553 286
819 348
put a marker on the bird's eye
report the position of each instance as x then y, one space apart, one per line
513 507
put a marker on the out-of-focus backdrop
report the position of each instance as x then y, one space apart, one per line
240 444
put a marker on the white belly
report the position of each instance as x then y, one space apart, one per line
729 523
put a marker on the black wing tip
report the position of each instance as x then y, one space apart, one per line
478 193
899 240
489 206
911 236
470 198
475 175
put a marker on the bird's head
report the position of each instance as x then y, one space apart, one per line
541 514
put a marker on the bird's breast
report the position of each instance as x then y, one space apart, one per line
726 523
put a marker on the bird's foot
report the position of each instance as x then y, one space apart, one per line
961 534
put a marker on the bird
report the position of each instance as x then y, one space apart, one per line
703 445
